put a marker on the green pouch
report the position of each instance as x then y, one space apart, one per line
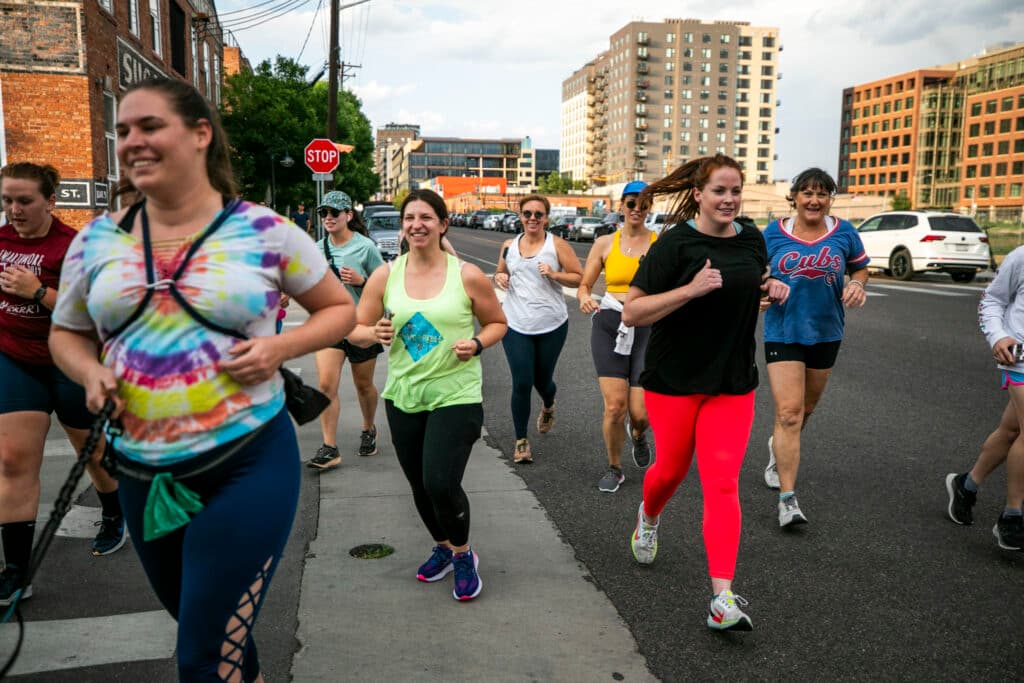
169 506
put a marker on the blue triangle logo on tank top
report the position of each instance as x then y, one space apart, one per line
420 336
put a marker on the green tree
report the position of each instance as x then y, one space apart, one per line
273 113
557 183
400 197
900 202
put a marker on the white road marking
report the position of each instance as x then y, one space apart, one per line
916 290
73 643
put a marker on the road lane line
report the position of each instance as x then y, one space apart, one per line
916 290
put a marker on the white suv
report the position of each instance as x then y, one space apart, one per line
902 243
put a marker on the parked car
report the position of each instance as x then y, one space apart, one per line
372 208
561 226
511 223
476 219
655 221
385 229
583 228
902 243
493 222
609 224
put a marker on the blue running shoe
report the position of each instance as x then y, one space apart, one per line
438 566
111 536
467 580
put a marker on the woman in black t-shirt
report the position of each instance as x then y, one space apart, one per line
700 288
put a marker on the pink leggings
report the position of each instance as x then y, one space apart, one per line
719 428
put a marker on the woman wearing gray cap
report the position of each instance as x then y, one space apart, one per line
352 256
618 350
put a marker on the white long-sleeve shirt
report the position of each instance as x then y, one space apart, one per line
1001 311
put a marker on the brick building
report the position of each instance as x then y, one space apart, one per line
63 67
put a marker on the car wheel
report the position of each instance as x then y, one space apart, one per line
963 275
901 265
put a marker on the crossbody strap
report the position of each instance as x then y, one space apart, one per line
330 258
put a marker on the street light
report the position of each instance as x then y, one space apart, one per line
287 162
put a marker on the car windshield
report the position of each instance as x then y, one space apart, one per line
953 224
379 222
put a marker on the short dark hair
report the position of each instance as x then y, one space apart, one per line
808 180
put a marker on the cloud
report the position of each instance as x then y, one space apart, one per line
373 92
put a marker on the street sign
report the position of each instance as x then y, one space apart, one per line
322 156
323 176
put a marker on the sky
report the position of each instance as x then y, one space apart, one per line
490 68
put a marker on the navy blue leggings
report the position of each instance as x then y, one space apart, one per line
532 359
212 575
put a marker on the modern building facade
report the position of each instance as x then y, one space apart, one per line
390 140
666 92
948 137
64 66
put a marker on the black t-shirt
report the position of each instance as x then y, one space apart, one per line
300 219
706 346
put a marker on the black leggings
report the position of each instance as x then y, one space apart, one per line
433 447
213 574
532 359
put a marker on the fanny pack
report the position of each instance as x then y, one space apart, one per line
171 501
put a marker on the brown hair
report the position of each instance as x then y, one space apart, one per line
536 198
47 176
808 180
693 175
192 107
435 202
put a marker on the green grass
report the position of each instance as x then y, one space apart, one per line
1004 238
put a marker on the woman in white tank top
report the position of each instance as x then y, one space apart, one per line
532 269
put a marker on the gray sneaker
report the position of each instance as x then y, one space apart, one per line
643 451
611 480
789 512
771 473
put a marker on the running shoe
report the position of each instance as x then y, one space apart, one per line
546 419
789 512
643 452
368 442
645 539
522 455
438 566
771 473
326 457
111 536
725 614
467 580
10 583
1009 532
961 501
611 480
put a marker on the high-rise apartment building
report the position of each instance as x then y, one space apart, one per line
949 137
666 92
390 140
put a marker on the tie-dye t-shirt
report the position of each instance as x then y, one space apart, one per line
179 403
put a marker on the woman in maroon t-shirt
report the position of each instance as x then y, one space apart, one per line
32 248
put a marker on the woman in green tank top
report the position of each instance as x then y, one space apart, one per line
423 309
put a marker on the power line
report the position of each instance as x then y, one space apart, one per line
316 15
247 9
246 23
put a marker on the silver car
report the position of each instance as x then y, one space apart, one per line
385 229
583 228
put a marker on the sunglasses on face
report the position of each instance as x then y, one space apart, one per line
633 203
333 212
533 214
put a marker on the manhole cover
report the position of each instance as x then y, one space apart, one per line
371 551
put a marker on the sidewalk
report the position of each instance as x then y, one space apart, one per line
539 617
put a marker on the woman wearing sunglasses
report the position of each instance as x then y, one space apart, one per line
618 350
532 268
353 256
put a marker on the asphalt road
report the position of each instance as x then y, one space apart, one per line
880 585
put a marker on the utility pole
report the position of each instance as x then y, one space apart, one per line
333 64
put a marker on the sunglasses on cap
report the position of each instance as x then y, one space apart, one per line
633 203
323 211
533 214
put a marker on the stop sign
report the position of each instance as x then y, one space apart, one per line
322 156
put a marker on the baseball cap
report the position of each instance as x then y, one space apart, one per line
336 199
635 187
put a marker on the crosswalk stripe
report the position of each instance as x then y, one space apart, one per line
92 641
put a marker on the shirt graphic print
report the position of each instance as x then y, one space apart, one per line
420 336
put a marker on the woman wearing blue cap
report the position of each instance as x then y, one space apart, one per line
352 255
618 350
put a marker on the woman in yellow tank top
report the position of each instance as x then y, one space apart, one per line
618 351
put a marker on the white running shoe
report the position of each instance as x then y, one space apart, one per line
645 539
725 613
771 473
789 512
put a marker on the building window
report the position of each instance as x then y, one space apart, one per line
195 57
109 133
177 35
990 107
154 27
209 75
768 41
670 37
1004 125
670 53
133 17
216 77
972 151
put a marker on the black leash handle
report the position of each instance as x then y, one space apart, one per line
60 508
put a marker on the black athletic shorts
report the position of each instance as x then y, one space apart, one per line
815 356
603 335
357 354
42 388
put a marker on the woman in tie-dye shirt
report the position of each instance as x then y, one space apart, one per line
209 452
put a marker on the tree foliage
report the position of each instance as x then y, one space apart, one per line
556 183
400 197
900 202
273 113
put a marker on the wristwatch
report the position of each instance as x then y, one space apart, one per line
39 294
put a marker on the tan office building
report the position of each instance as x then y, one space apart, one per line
666 92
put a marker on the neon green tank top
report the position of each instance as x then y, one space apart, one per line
423 370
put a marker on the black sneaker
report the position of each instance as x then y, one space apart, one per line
326 457
961 501
642 450
10 583
111 536
1009 532
368 442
